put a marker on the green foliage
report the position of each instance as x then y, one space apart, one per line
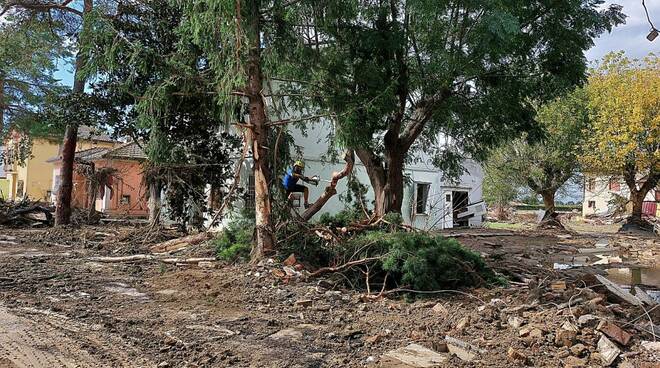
355 195
340 219
29 50
545 164
405 75
160 86
309 248
499 189
235 242
420 261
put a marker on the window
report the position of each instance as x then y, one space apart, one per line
421 197
591 204
125 199
591 184
614 185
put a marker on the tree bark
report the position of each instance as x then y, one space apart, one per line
548 200
93 189
154 204
2 110
386 180
63 204
637 200
637 194
258 138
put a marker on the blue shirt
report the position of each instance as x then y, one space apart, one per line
289 180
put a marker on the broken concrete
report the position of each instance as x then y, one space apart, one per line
465 351
412 356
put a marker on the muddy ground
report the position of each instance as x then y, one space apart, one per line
59 308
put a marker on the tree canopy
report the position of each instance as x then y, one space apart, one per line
405 75
624 100
29 55
546 164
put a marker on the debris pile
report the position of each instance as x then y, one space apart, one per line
575 326
25 213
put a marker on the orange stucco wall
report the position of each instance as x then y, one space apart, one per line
127 182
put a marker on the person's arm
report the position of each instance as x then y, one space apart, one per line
301 176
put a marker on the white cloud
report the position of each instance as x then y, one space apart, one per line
630 37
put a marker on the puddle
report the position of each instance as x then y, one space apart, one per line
647 279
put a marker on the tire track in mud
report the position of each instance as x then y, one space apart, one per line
43 342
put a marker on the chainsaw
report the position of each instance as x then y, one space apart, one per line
316 179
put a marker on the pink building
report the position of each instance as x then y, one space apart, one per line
126 194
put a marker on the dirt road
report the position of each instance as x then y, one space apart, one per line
60 309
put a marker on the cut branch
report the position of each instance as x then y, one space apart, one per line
325 270
331 189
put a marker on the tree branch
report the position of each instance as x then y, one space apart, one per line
421 116
45 7
331 190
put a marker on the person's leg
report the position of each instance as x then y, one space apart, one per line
306 196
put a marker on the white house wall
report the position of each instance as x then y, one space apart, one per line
315 146
601 194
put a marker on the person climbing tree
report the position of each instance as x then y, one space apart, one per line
290 181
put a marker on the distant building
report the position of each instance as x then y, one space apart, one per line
600 191
126 194
33 177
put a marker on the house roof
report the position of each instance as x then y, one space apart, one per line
93 134
126 151
131 150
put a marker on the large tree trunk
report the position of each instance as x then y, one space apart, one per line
93 189
63 205
387 184
637 194
637 200
258 138
550 217
154 204
2 110
548 200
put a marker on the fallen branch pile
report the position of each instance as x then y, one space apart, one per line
25 213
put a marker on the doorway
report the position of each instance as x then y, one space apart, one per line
460 201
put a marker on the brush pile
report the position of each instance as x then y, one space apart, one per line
25 213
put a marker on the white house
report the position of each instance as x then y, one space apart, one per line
429 201
599 191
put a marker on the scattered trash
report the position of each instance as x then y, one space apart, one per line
608 350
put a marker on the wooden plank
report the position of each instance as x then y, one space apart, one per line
618 291
644 297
